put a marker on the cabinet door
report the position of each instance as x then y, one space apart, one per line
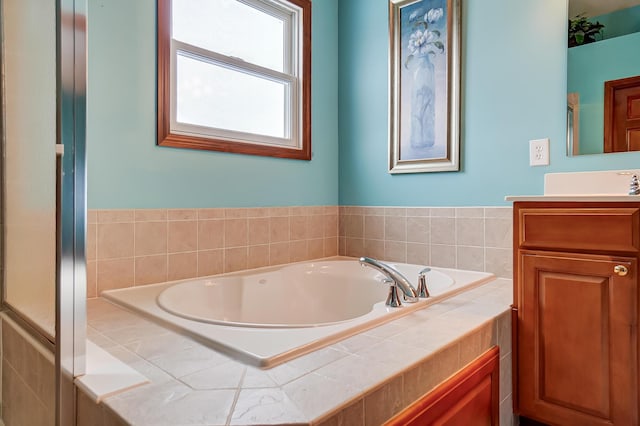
577 343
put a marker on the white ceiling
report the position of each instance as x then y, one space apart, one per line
598 7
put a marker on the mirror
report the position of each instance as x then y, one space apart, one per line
591 66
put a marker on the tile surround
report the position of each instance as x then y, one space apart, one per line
137 247
364 379
474 238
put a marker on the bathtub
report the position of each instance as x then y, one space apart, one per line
267 316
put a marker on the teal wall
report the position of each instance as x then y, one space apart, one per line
620 22
513 90
127 170
617 58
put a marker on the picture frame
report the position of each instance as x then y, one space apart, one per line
424 86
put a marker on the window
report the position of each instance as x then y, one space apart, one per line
235 76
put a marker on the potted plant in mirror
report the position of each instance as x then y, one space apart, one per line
582 31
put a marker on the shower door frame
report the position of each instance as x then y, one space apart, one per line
69 343
71 288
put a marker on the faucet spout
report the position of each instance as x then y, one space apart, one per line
408 290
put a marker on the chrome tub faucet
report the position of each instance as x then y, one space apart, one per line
395 279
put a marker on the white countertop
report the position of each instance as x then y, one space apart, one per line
575 198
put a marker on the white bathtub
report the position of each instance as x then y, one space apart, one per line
270 315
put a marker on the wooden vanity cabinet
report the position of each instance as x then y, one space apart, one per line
576 312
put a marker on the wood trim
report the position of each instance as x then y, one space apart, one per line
440 403
610 88
164 136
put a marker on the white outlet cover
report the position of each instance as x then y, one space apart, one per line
539 152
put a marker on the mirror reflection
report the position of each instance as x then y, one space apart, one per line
603 76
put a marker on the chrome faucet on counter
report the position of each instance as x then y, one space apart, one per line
395 279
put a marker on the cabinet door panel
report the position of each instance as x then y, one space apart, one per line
577 343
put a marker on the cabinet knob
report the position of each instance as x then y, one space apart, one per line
621 270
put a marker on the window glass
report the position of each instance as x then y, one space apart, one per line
231 28
212 95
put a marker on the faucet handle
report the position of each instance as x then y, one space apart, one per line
393 298
634 186
423 291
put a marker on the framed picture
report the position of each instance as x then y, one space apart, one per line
424 86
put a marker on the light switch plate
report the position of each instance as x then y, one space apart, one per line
539 152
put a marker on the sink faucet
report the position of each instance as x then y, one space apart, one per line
394 277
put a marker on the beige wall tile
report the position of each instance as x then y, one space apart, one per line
150 238
279 229
210 234
342 246
442 212
418 212
92 216
258 256
354 226
395 211
499 233
499 212
258 230
210 262
314 210
115 273
418 230
395 251
354 247
299 251
505 376
92 279
470 232
382 404
115 216
499 261
443 256
20 406
418 254
330 246
182 236
279 253
150 269
373 211
332 210
235 259
258 212
373 248
316 248
182 214
115 240
278 211
182 265
470 258
443 230
204 214
92 241
315 226
374 227
477 212
235 232
235 213
147 215
298 227
330 225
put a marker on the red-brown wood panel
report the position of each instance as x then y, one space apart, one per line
580 229
470 397
577 339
